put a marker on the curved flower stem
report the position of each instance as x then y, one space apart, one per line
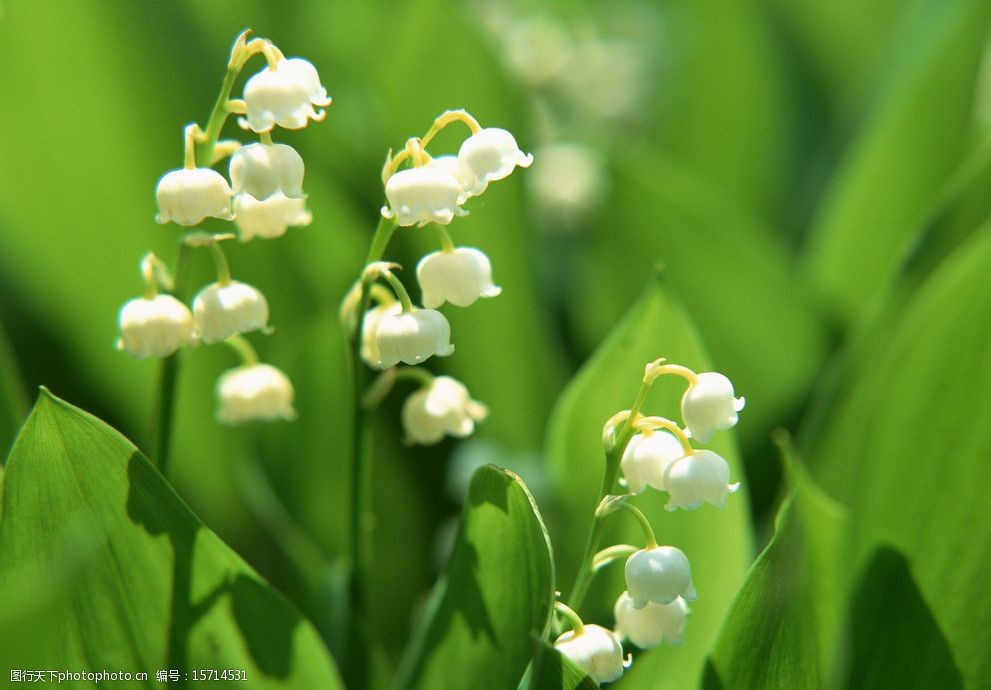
355 659
573 618
168 377
610 554
648 531
243 348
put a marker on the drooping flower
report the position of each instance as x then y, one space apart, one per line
423 195
411 337
492 154
596 650
702 477
708 405
369 324
261 170
221 310
154 327
284 94
461 171
652 624
269 218
659 575
254 392
187 196
460 277
442 407
646 457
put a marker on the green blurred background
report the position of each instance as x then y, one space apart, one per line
799 168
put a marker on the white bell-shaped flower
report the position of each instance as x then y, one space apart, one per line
702 477
411 337
269 218
461 171
659 575
369 347
460 277
284 95
596 650
154 327
254 392
423 195
653 624
709 405
646 457
442 407
187 196
221 310
262 170
492 154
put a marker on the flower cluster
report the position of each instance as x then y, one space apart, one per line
656 452
421 190
263 198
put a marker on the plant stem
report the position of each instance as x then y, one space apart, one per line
356 660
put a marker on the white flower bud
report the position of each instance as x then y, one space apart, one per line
369 325
492 154
653 624
284 96
423 195
702 477
261 170
254 392
462 173
188 196
154 327
570 182
442 407
596 650
411 337
658 575
709 405
220 311
269 218
646 457
459 277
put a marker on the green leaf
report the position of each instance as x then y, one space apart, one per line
496 593
555 672
13 405
908 146
783 625
108 569
717 542
906 446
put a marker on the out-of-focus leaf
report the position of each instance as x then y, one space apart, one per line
909 144
717 542
782 629
117 573
906 446
555 672
13 405
496 593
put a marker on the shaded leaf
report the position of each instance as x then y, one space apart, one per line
717 542
109 568
495 594
13 404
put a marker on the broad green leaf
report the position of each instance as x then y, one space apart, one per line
13 405
906 446
717 542
909 144
108 567
496 593
782 629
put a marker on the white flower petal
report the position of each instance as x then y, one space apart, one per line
423 195
187 197
220 311
709 405
261 170
646 457
443 407
652 624
270 217
658 575
255 392
459 277
492 154
596 650
411 337
155 327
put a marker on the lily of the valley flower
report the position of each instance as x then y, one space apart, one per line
659 575
154 327
370 321
647 456
458 276
261 170
441 407
254 392
423 195
702 477
269 218
596 650
492 154
189 195
411 337
284 94
709 405
221 310
461 171
652 624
